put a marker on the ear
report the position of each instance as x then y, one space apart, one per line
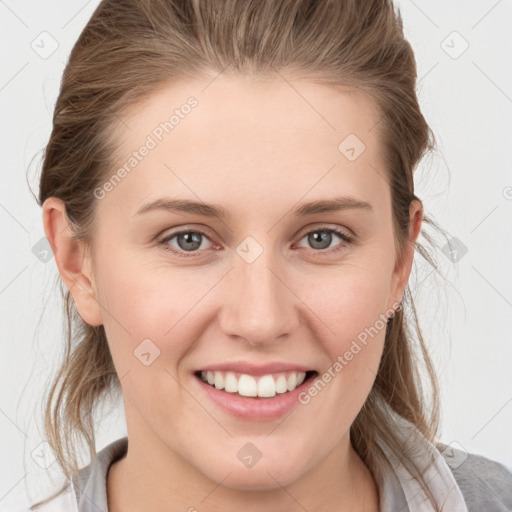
73 261
404 265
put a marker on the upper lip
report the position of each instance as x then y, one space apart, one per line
251 368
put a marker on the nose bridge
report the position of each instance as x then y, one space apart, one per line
260 306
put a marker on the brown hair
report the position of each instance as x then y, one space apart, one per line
130 49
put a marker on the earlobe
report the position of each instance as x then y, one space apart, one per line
72 260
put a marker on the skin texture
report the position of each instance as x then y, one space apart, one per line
258 148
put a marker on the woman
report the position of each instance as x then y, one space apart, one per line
228 191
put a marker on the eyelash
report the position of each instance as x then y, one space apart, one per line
183 254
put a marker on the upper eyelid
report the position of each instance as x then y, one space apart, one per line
168 236
325 227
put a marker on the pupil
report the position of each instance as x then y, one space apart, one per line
316 238
192 241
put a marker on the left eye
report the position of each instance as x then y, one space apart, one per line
321 238
192 241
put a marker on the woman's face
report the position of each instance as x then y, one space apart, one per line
266 289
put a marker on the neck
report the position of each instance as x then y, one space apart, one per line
150 475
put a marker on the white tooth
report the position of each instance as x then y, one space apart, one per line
219 380
230 383
291 382
247 385
266 386
281 384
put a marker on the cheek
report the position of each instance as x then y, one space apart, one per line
145 320
348 302
352 312
149 310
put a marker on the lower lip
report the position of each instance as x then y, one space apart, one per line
254 408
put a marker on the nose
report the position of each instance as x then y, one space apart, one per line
259 305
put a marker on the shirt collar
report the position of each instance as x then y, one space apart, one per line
401 491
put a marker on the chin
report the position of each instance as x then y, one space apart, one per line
263 475
246 480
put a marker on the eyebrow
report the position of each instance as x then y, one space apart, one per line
216 211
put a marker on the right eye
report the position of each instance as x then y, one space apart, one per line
188 241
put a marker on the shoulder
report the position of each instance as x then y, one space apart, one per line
485 484
89 481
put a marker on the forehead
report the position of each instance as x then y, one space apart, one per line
244 136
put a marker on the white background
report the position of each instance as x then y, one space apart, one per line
466 186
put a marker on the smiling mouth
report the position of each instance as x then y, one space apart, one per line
264 386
